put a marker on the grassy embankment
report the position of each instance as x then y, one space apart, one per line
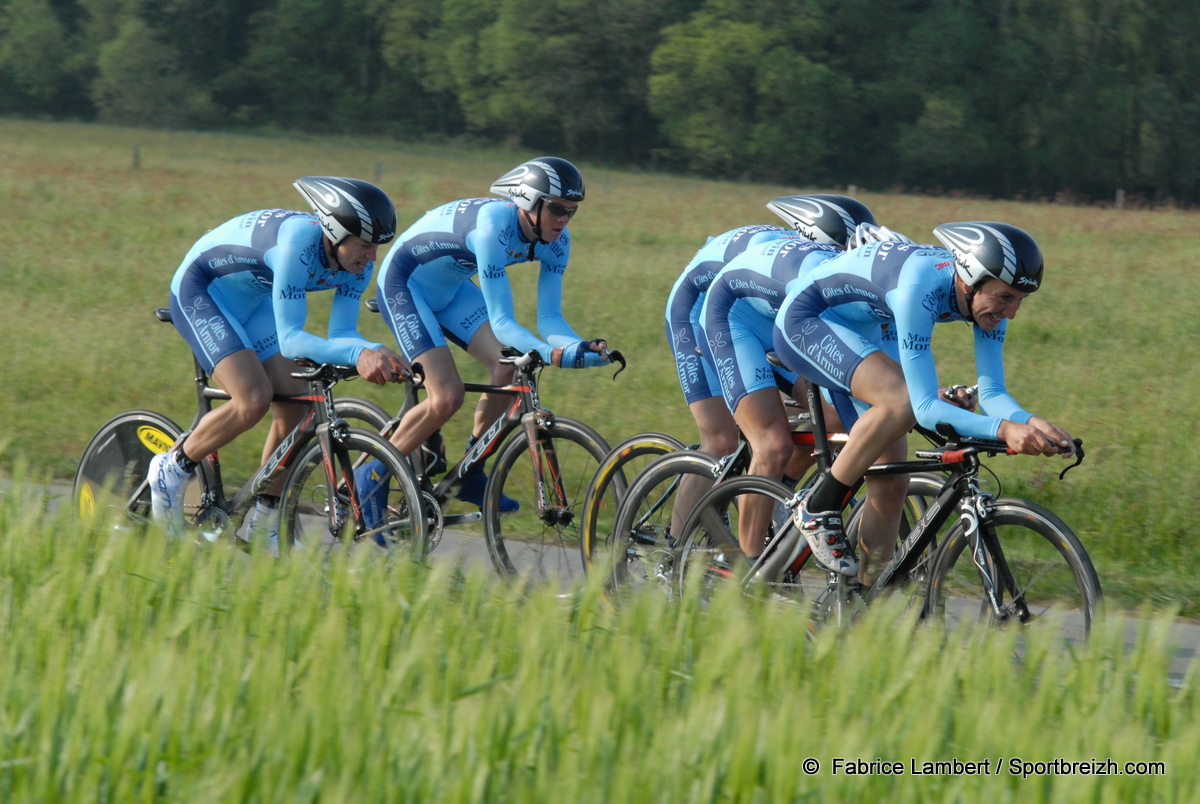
93 242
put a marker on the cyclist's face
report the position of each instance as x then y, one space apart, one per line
556 213
994 302
355 254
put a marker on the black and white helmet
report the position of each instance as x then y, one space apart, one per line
986 249
349 207
826 219
870 233
544 177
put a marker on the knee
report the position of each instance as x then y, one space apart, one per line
772 453
250 407
718 442
445 403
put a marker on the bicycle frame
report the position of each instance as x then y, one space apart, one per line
319 423
526 412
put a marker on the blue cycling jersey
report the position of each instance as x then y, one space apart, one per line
696 376
739 311
424 280
244 285
831 320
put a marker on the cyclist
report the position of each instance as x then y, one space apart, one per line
736 319
427 296
239 299
828 329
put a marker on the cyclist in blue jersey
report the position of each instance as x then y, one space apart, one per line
239 299
821 225
427 296
829 330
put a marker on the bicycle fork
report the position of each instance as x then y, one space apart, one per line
986 554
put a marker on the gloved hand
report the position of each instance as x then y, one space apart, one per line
585 354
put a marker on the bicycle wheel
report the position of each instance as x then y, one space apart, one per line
361 413
602 501
923 489
307 498
710 554
539 545
1053 580
112 472
643 551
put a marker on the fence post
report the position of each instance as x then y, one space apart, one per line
378 172
1120 203
137 157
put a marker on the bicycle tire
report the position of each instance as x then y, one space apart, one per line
1052 571
642 553
112 471
361 413
710 555
526 544
923 488
616 473
306 500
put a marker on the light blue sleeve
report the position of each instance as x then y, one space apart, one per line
491 257
914 331
989 365
289 299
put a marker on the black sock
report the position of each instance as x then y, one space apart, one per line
185 463
827 495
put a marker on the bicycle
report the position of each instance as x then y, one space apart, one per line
320 500
1023 563
541 539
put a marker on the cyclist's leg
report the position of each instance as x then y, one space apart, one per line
444 396
285 416
886 495
763 420
418 332
718 437
484 347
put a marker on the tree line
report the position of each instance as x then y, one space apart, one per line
1007 98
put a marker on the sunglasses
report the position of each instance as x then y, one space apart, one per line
560 210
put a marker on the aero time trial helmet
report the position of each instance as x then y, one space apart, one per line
986 249
544 177
349 207
826 219
870 233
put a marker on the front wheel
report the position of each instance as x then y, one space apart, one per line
361 413
531 543
112 472
1047 576
385 513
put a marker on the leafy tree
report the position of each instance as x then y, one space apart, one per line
139 84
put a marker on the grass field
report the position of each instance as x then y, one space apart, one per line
138 671
93 240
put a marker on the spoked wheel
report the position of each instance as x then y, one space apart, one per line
654 509
532 543
608 488
386 514
1050 578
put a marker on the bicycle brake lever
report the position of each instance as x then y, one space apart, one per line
1078 457
616 357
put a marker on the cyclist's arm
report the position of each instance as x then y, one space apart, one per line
491 256
914 333
989 365
289 299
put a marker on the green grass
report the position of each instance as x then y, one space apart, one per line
136 671
93 242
